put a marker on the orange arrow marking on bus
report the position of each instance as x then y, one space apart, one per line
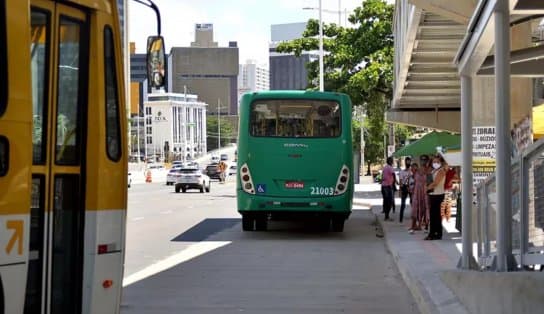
17 236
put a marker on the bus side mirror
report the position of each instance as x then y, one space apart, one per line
155 61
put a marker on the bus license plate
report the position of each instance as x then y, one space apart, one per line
294 185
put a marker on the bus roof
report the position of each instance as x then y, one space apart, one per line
293 93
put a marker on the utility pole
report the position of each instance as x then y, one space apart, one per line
321 75
218 124
362 141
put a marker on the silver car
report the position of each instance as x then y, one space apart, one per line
192 178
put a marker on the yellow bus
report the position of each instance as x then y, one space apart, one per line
63 157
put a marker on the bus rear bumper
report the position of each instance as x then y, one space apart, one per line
279 207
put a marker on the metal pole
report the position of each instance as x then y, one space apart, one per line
502 127
218 125
362 142
321 82
467 258
339 12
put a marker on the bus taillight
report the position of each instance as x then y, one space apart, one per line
341 183
247 182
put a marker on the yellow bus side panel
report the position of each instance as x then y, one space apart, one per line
106 179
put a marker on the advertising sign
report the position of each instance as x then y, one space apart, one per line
483 153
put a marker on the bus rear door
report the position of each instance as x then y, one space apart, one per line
59 50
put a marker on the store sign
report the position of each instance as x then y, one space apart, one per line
483 153
159 117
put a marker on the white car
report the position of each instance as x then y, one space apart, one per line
215 159
192 178
232 170
172 175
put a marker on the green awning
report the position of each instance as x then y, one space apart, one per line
427 144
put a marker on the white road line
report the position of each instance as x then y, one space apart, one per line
138 218
189 253
166 212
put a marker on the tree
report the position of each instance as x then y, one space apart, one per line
358 62
227 132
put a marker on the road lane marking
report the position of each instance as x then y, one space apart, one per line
189 253
138 218
166 212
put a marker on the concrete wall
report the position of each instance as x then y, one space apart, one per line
211 73
498 293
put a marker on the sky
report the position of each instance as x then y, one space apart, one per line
245 21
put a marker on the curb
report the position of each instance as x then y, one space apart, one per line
423 299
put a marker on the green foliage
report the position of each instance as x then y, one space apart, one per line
359 62
227 132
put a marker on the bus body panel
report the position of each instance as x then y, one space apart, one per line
102 180
16 129
295 174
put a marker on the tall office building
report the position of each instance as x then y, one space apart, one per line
252 77
288 72
207 70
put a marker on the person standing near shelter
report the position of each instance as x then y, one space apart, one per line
388 180
404 183
420 202
436 197
222 169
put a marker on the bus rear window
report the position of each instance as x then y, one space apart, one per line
295 118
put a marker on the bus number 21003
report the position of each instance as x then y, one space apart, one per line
321 190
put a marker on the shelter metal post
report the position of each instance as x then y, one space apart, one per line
505 260
467 260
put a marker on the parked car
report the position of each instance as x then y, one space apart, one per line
232 170
129 180
172 175
192 178
224 157
215 159
211 171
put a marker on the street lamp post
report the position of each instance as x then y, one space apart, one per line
321 82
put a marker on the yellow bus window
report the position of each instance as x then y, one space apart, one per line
3 60
113 132
70 97
39 52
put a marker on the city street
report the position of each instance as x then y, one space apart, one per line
186 253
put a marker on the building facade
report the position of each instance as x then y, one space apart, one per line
287 71
175 126
207 70
252 77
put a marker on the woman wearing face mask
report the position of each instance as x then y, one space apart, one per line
436 197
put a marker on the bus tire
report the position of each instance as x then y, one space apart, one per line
183 190
177 189
261 223
247 222
337 224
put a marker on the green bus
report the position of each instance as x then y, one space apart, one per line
295 158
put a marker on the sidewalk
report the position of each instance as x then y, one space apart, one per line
420 262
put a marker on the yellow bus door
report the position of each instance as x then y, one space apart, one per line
59 67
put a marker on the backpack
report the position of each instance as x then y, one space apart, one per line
448 183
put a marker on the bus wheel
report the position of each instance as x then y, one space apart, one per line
338 224
261 223
177 189
183 190
247 222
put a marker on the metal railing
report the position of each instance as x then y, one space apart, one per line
527 221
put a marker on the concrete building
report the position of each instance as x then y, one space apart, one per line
175 125
207 70
252 77
288 72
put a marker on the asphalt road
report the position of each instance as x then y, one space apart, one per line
186 253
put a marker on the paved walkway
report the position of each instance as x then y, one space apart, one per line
420 262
